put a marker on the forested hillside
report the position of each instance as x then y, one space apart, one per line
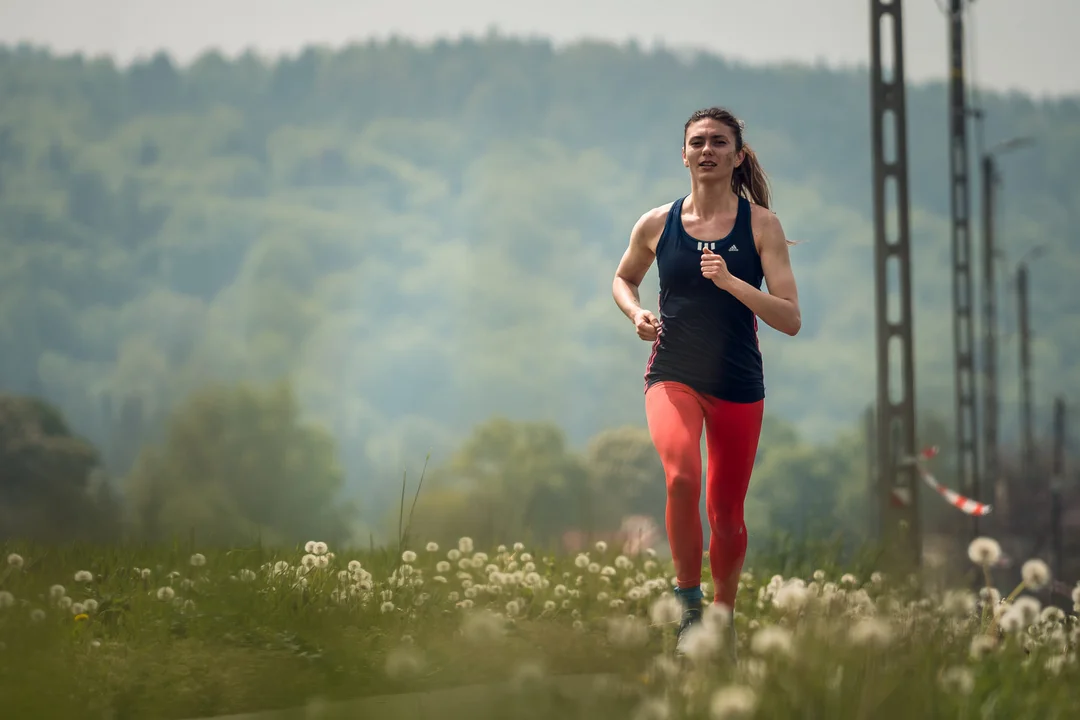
423 237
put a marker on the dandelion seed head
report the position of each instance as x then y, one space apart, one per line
1035 573
732 702
15 560
465 545
1029 609
84 576
1052 614
594 568
432 547
145 573
990 596
958 603
37 615
958 680
770 640
790 597
6 599
197 560
981 646
601 546
322 561
165 593
984 551
871 633
319 548
1011 620
582 560
56 592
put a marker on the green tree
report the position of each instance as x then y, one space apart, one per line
51 485
238 463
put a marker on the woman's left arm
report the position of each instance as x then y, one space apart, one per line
779 307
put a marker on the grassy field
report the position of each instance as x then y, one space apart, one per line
132 632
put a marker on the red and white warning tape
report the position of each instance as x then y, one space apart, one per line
902 496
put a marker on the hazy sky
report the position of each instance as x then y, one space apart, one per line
1029 45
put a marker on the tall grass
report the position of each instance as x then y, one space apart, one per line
139 632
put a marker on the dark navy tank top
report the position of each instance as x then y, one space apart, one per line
708 339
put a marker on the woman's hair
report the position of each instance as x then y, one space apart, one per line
749 178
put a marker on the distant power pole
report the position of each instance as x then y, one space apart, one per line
963 330
894 426
1027 454
989 294
1057 479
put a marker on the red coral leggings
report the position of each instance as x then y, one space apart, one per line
676 414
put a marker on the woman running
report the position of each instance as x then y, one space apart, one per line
712 248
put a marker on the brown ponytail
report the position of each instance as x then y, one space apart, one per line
749 178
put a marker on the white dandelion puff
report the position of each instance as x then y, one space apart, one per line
432 547
790 598
734 701
84 576
198 560
871 633
465 545
984 551
6 599
56 592
958 603
91 605
15 560
166 593
319 548
408 557
981 646
958 680
770 640
37 615
1029 609
1036 574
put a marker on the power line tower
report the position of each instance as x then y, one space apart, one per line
894 426
963 327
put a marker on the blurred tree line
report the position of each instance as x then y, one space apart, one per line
420 239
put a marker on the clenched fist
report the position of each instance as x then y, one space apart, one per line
646 324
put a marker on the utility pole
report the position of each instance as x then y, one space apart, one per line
990 381
894 425
1027 436
991 407
1057 478
963 330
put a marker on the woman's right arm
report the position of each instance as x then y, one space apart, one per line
635 262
